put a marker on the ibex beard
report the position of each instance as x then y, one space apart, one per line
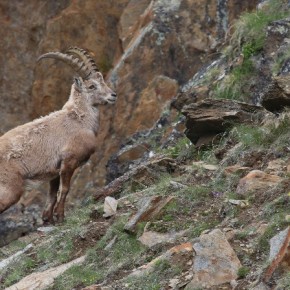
52 147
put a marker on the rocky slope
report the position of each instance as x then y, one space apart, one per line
147 49
204 208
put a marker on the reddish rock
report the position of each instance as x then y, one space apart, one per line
279 253
257 180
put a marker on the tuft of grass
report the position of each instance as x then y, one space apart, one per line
57 251
247 40
183 149
249 135
19 270
250 30
100 263
78 276
275 134
277 224
279 61
153 280
243 272
233 85
12 248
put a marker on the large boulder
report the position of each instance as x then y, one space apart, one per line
206 119
214 263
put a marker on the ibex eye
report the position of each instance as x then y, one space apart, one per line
92 87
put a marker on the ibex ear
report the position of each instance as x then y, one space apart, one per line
78 84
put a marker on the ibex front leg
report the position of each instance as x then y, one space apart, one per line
47 215
67 169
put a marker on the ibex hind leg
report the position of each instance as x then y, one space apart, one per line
10 193
47 215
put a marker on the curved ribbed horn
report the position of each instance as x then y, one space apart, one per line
85 56
78 65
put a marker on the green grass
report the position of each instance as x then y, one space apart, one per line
248 39
250 30
100 263
234 84
276 225
19 269
12 248
243 272
78 276
183 149
153 280
57 249
274 135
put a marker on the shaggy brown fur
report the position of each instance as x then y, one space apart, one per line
52 147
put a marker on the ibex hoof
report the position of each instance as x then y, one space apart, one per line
59 218
47 221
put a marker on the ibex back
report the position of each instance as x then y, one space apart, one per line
52 147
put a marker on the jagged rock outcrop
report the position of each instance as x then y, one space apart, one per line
18 221
275 94
206 119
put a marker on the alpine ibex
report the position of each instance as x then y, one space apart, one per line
52 147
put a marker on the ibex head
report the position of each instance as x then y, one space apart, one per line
91 82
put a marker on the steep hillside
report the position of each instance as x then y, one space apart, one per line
197 153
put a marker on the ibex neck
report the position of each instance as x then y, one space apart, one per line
79 109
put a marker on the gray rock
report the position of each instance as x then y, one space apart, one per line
215 261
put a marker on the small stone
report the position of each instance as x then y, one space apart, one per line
239 202
177 185
173 283
234 284
110 206
203 165
276 166
45 230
